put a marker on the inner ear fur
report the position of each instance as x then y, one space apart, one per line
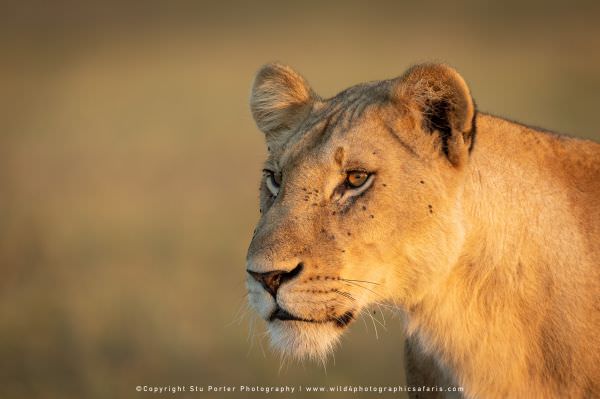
280 100
443 104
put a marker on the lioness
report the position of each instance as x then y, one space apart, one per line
483 232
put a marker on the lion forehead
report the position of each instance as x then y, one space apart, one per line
332 127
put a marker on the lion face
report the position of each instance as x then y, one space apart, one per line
358 203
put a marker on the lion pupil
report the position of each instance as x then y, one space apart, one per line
356 179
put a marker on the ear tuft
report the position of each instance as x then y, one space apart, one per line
280 99
444 104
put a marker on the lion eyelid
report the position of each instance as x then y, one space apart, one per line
271 184
353 192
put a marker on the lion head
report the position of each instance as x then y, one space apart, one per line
359 198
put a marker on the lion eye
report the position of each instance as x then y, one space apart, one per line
356 178
272 181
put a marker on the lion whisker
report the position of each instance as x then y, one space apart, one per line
374 325
365 288
240 314
359 281
381 312
344 294
250 337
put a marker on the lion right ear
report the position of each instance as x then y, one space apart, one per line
280 100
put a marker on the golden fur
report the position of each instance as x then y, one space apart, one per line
483 232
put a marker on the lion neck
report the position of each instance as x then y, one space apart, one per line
491 295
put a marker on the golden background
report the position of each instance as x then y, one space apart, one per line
129 168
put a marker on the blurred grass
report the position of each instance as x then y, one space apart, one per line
129 167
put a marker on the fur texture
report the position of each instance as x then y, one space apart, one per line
483 232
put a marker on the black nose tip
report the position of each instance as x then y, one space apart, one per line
271 281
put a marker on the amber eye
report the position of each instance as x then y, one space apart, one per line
356 178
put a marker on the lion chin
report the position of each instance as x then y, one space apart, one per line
302 340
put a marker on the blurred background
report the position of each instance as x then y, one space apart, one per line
129 168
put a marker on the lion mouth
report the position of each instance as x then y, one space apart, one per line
341 321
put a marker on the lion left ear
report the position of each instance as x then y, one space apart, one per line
443 105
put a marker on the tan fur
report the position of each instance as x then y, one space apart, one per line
483 232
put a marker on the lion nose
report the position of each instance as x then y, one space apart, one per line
271 281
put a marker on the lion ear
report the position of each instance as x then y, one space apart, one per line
443 105
280 100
